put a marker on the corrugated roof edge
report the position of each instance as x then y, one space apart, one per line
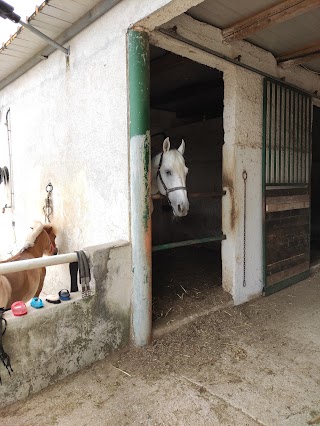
35 13
91 16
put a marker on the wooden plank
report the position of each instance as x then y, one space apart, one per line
288 234
286 223
288 199
286 192
296 57
287 263
280 12
288 273
283 207
282 252
286 214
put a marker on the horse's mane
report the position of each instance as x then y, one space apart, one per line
34 234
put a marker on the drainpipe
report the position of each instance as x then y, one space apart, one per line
140 184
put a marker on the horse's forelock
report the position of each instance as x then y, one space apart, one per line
49 228
31 238
175 159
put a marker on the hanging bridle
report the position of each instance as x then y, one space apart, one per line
168 190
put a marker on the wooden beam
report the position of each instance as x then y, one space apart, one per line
166 62
280 12
296 57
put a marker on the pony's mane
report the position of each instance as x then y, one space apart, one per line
34 234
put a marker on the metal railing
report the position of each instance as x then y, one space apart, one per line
40 262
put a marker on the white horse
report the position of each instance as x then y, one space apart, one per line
169 177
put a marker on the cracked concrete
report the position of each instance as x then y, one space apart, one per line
254 364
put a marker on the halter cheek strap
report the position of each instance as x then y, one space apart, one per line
168 190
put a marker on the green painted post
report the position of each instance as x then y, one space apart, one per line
268 180
275 134
290 136
285 138
280 136
140 183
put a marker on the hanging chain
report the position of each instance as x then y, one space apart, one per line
47 209
244 176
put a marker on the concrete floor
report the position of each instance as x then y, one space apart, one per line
255 364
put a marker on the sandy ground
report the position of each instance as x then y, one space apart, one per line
255 364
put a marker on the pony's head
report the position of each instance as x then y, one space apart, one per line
43 235
52 240
171 177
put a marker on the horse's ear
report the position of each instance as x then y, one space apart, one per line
182 147
166 145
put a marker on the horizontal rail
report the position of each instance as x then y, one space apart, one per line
188 243
40 262
195 195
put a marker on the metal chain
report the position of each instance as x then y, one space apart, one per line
244 176
47 209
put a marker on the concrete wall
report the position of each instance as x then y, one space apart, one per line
69 127
48 344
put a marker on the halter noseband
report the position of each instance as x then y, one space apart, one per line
176 188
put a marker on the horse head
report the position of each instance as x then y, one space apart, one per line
41 240
51 248
169 177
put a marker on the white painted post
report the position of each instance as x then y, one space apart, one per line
242 151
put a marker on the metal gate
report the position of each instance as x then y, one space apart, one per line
286 185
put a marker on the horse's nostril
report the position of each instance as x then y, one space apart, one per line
179 208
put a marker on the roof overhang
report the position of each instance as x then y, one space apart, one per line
59 20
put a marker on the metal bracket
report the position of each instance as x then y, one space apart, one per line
53 43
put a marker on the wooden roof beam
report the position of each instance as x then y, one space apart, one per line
280 12
296 57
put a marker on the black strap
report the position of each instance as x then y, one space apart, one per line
176 188
73 268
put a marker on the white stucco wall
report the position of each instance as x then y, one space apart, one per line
70 128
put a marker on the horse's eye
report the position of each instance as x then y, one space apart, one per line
168 172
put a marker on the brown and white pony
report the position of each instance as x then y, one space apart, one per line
25 285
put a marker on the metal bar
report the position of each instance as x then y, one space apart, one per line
280 136
176 36
24 265
194 195
310 138
290 135
299 163
293 135
286 283
305 138
49 40
275 134
285 137
187 243
140 185
301 138
283 185
270 131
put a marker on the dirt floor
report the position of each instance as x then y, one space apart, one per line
255 364
186 280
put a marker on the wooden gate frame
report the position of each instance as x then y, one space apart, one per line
301 134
